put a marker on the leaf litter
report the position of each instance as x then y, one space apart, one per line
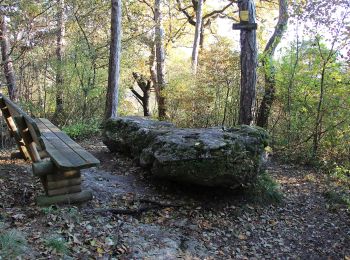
193 223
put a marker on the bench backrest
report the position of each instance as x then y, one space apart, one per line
25 126
41 137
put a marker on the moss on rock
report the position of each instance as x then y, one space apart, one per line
210 157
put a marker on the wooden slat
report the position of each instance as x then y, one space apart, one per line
52 185
14 131
86 156
27 138
15 110
58 176
64 190
63 155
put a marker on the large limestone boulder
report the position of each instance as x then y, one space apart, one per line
210 157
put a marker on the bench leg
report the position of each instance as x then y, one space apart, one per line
61 187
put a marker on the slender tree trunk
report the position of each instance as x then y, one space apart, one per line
7 61
319 113
289 93
197 36
248 66
201 38
160 59
145 85
318 122
111 110
152 68
59 58
268 66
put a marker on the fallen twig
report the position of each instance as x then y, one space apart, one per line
134 212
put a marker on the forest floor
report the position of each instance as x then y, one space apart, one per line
185 222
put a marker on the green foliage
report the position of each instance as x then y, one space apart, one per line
82 130
335 197
49 210
58 244
299 75
12 244
210 97
265 190
338 186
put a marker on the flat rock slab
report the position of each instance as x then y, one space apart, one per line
205 156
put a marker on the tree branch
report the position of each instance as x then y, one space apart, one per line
218 11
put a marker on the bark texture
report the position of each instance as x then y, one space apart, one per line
111 110
7 61
160 59
269 69
197 36
248 66
59 58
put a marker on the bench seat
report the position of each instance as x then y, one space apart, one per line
65 153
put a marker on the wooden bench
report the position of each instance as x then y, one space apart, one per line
56 158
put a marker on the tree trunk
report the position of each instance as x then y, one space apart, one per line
201 38
111 110
318 122
145 85
59 57
7 61
268 66
197 37
248 65
160 59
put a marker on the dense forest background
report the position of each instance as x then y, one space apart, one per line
57 53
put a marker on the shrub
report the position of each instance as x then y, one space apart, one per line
82 130
338 190
265 190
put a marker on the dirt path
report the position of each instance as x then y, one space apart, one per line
210 224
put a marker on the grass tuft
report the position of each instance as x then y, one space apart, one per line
58 244
265 190
12 244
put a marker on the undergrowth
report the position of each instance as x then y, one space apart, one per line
265 190
338 187
82 130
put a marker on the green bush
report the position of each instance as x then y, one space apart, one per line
265 190
82 130
338 182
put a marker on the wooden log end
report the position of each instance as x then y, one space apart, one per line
16 155
43 168
72 198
